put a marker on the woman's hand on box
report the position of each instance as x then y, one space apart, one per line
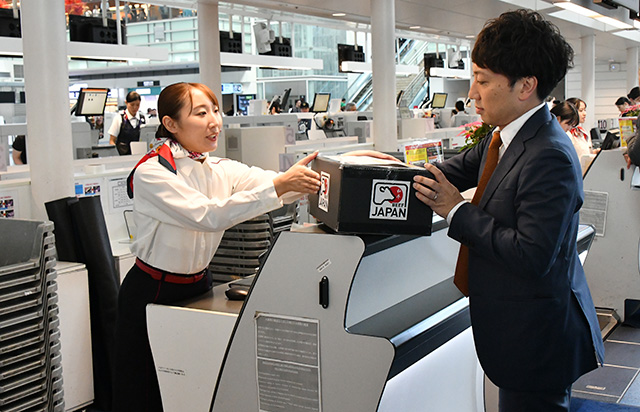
299 178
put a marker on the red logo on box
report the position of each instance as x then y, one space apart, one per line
389 200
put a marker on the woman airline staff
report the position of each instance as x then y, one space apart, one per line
183 202
126 126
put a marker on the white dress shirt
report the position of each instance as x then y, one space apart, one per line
114 130
506 135
181 218
581 141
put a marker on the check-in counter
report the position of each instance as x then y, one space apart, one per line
331 322
343 322
612 195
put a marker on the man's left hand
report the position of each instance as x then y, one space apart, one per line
439 194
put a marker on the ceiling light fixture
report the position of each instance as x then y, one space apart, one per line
587 12
614 22
365 67
339 14
567 5
275 62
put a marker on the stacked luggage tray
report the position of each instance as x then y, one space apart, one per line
243 245
30 359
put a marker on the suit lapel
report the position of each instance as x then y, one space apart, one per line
514 152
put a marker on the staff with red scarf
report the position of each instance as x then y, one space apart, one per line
184 200
579 137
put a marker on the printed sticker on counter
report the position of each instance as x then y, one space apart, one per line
323 197
7 206
389 200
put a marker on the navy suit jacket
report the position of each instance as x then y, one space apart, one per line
534 323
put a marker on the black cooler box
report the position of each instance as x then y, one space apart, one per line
369 196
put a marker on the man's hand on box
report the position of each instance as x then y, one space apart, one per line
439 194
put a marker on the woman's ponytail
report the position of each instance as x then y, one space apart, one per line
162 132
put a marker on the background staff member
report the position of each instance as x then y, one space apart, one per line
534 323
184 200
19 152
126 127
566 114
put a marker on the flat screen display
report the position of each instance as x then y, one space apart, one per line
242 103
439 100
91 102
285 99
321 102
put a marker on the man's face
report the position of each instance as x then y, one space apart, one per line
496 102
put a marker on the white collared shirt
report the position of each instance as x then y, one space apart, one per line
511 130
114 130
506 135
180 219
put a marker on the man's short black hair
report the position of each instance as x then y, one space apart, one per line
634 93
521 44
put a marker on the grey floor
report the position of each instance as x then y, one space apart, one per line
617 381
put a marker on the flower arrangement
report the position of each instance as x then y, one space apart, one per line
473 133
631 111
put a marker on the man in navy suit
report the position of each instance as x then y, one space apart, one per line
534 323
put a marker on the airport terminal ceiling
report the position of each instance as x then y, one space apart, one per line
450 18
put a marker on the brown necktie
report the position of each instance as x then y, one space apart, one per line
461 278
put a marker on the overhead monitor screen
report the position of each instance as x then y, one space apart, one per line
321 102
91 102
439 100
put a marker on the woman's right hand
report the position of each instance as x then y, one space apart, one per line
299 178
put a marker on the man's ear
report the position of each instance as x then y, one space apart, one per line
169 124
529 87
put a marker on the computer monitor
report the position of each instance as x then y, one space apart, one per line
242 103
611 141
439 100
285 99
321 102
91 102
8 97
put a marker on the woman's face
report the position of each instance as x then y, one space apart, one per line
198 125
622 107
565 124
133 107
582 111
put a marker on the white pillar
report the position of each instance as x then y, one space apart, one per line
385 131
632 68
46 73
209 46
589 78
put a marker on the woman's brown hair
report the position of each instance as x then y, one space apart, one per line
173 99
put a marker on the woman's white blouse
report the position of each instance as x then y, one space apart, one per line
582 144
181 218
